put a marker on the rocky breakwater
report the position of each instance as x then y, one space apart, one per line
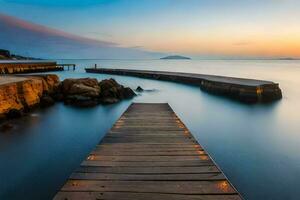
87 92
20 94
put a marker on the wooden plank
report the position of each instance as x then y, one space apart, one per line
118 158
206 168
150 145
169 187
185 163
148 177
148 148
148 154
138 196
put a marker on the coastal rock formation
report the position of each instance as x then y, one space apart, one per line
19 94
139 89
89 92
6 55
81 92
112 92
85 87
25 93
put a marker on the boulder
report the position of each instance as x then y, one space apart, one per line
108 84
109 100
80 92
139 89
128 93
51 83
84 86
81 101
6 127
14 113
112 91
46 101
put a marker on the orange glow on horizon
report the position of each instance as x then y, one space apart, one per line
241 40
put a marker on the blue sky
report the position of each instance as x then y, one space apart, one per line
192 27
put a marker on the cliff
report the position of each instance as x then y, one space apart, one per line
22 94
19 94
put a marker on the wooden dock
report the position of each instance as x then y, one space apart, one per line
148 154
246 90
32 66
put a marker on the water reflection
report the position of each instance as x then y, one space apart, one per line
255 146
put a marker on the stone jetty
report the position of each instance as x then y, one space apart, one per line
245 90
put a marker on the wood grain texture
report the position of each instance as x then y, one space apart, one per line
148 154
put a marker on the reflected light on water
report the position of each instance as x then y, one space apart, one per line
227 130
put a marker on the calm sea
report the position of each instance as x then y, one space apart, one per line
257 146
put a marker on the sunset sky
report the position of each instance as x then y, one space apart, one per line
248 28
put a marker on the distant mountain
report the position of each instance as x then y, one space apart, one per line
176 57
33 40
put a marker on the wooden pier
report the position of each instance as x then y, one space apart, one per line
68 66
148 154
32 66
245 90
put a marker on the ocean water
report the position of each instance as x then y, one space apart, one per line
256 146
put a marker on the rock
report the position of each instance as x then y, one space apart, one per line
6 127
67 84
112 92
128 93
14 113
58 96
108 84
85 87
109 100
82 92
51 83
5 54
88 92
139 89
81 101
25 93
46 101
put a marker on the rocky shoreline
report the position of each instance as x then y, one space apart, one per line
20 94
87 92
7 55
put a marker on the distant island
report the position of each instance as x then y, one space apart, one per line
6 55
176 57
288 58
